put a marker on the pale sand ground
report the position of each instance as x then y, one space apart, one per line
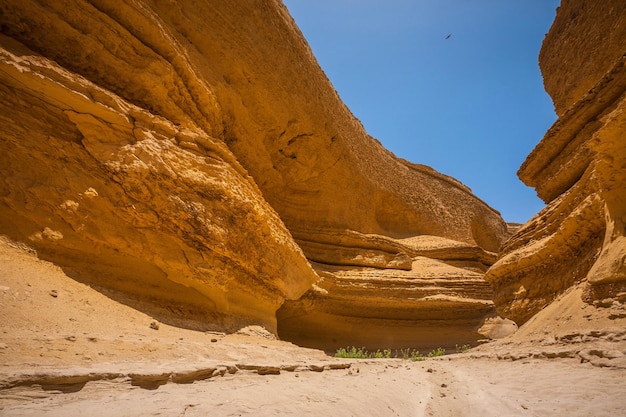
82 354
459 387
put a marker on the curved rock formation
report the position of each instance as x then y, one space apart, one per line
578 169
129 201
433 305
187 154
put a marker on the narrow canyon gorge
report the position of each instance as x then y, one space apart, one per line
187 159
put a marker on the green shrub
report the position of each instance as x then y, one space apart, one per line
385 354
405 354
352 353
409 355
416 356
437 352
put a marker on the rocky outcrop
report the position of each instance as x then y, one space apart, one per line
577 168
581 47
129 201
188 157
433 305
378 292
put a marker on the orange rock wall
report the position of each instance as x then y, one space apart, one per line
582 45
187 157
578 168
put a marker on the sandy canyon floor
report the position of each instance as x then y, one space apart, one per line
68 350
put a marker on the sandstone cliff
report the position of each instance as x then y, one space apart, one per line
129 201
578 169
188 157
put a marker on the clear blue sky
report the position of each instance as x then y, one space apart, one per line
471 106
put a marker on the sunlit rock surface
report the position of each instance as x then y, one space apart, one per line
432 305
188 157
579 169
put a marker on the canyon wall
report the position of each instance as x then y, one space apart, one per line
191 159
578 169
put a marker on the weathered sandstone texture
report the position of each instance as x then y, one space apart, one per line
188 157
441 299
129 201
578 168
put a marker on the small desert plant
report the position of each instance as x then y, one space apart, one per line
416 356
409 355
362 353
352 353
385 354
406 354
462 349
436 352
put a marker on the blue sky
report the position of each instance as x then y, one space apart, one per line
471 106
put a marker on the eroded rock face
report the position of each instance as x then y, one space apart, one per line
129 201
578 169
433 304
187 154
582 45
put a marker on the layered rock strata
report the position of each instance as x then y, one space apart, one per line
128 201
432 305
187 156
578 168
